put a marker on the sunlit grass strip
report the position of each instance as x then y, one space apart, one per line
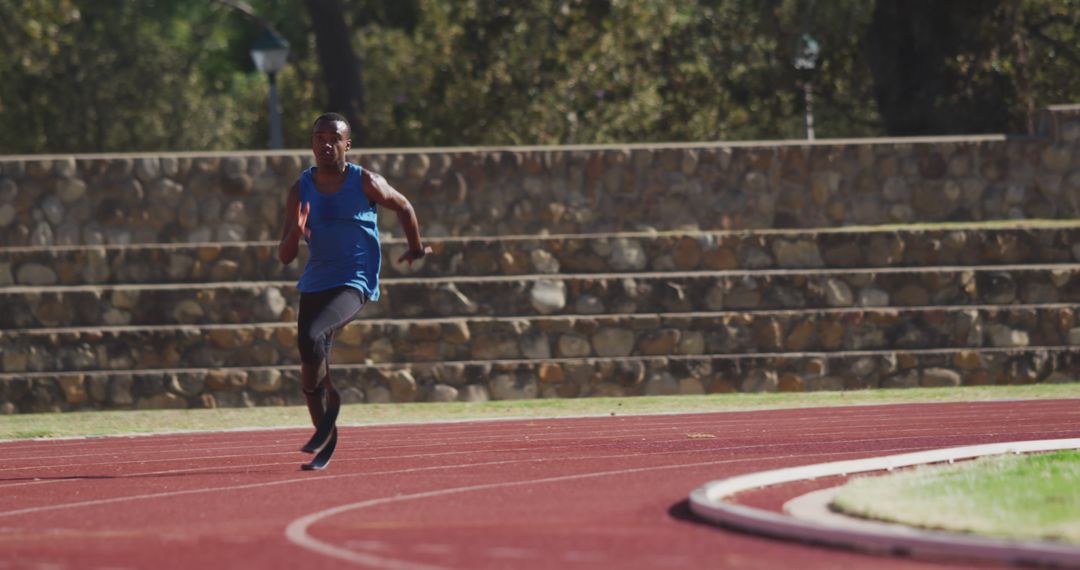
1022 497
157 421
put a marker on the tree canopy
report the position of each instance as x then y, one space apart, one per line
137 75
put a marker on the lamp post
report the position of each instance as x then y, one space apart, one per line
806 56
269 53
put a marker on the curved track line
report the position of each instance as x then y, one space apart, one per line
646 457
168 494
297 531
708 502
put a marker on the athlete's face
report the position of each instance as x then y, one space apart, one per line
330 141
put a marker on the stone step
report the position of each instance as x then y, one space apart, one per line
524 295
964 245
572 336
544 378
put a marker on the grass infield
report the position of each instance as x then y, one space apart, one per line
1028 497
102 423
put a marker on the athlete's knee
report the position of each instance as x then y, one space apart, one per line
313 378
313 346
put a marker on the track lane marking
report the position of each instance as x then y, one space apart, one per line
914 433
515 429
168 494
553 439
193 470
297 530
764 459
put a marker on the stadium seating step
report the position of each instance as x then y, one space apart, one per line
963 245
719 334
523 295
543 378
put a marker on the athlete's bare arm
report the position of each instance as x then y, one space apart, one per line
294 226
382 193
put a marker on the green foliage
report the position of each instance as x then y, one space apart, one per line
119 75
563 71
115 75
1047 54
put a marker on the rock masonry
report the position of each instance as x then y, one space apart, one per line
151 280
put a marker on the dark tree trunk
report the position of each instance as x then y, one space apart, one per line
909 45
341 66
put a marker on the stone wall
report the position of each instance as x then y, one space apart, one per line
193 197
957 245
151 281
526 296
196 325
723 334
483 381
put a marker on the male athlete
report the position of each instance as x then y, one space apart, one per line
333 206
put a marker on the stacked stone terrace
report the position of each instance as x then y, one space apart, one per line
152 281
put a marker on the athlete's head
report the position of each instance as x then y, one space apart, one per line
330 139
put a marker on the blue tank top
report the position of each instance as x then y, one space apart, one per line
344 245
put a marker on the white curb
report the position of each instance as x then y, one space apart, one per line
708 501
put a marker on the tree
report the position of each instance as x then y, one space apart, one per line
341 67
114 75
965 66
913 46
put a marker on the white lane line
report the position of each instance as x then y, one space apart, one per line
298 533
174 437
352 556
202 458
514 424
309 480
720 420
726 435
169 494
708 502
450 466
141 451
341 460
723 448
199 458
544 436
438 443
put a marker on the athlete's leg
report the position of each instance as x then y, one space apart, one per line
321 315
316 397
333 397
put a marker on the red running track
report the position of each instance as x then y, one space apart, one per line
602 492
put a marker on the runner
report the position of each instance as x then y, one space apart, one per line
333 206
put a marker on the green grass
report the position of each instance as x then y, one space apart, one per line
1033 497
158 421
